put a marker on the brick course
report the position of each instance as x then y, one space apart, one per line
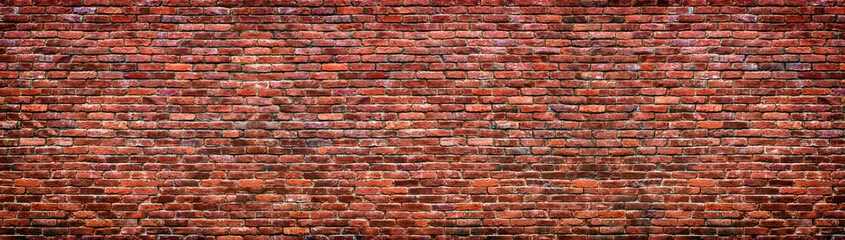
422 119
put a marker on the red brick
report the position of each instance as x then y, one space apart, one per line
516 119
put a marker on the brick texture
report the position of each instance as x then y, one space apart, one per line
422 119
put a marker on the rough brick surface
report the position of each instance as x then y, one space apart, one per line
422 119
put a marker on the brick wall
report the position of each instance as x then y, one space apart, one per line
422 119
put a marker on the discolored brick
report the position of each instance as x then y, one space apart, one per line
422 119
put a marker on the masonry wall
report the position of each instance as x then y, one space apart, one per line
422 119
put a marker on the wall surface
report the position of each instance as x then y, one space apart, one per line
422 119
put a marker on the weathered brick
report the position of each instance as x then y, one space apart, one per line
422 119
